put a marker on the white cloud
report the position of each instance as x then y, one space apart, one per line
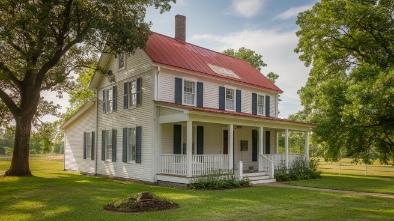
277 49
247 8
293 12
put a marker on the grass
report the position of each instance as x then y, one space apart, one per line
53 194
350 182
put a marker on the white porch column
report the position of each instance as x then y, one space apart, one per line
277 142
189 141
287 147
261 148
307 145
230 146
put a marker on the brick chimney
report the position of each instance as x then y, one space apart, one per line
180 27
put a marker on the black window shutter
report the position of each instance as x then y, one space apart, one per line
267 106
238 101
139 91
84 145
177 139
124 150
222 104
104 101
200 140
126 95
115 98
103 145
178 90
93 145
114 145
267 142
254 145
200 94
138 149
254 103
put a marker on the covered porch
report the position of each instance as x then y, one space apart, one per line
195 143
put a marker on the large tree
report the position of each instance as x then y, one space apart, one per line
350 89
42 41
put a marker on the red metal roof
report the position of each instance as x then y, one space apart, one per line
170 51
241 114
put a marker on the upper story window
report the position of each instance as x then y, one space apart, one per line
110 99
189 89
260 104
230 99
133 93
121 61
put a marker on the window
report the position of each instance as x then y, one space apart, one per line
133 94
260 104
110 99
121 61
88 145
108 144
189 92
131 144
230 99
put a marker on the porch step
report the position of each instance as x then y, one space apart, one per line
258 178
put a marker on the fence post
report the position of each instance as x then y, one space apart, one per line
339 169
366 168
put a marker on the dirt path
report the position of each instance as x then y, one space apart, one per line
277 184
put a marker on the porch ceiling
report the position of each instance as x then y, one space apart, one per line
211 115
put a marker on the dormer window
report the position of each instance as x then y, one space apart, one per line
121 61
189 89
230 99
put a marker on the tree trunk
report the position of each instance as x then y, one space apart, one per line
20 158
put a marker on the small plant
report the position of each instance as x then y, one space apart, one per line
218 180
300 169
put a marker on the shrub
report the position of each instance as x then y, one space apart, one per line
218 180
300 169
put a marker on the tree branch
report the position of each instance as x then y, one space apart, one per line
11 75
9 102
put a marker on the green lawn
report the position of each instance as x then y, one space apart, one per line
53 194
350 182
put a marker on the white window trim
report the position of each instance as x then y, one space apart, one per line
234 98
129 160
108 158
195 91
130 104
108 99
124 60
257 104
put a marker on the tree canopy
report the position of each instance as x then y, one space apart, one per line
350 89
42 42
256 60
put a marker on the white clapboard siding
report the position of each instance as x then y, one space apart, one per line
138 65
73 142
211 90
168 111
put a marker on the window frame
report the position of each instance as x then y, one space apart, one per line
88 145
109 106
131 154
228 99
120 57
194 92
108 145
132 97
262 106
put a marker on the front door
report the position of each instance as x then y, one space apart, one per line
225 141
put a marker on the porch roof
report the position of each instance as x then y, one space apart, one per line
235 114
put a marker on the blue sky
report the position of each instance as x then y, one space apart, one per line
265 26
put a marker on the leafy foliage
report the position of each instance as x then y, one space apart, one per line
350 90
256 60
218 181
300 169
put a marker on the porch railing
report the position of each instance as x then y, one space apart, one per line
278 158
176 164
266 164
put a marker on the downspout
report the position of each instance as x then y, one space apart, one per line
97 133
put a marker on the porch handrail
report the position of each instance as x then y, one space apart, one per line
269 164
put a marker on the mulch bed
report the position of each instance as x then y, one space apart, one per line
145 203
